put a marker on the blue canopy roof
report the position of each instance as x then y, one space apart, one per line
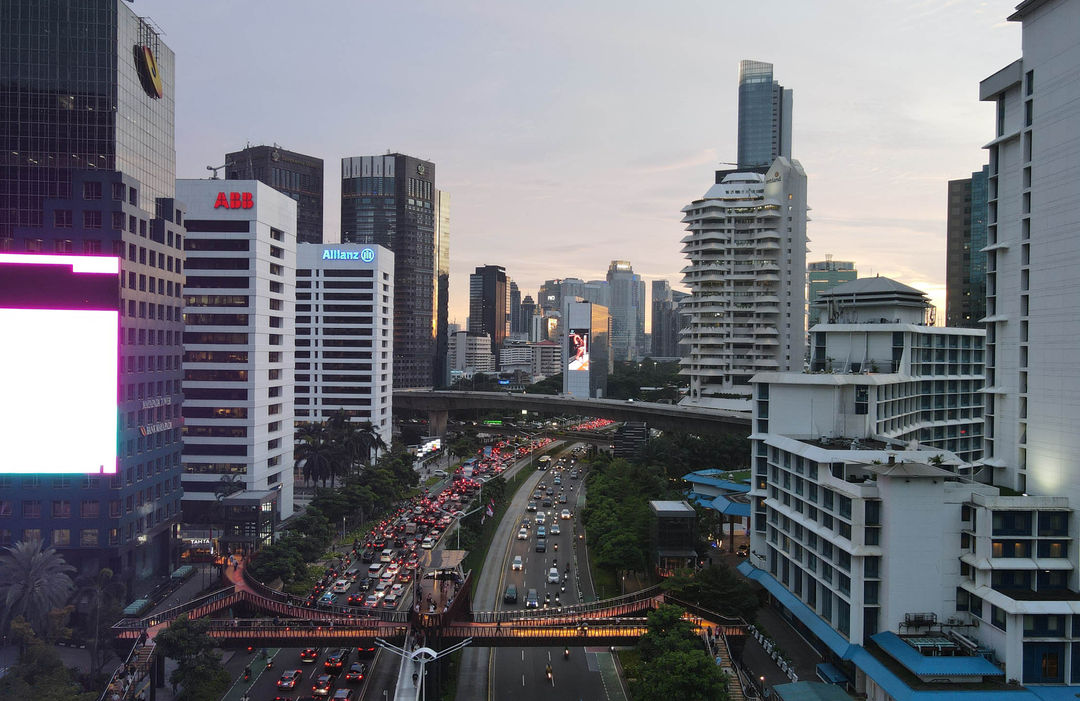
810 691
936 666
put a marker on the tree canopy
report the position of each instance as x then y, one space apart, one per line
716 588
674 663
199 673
34 581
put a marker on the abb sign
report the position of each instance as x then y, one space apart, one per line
234 200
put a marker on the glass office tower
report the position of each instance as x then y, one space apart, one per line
87 168
764 116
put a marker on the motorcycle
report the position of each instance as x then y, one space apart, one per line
566 653
550 679
270 663
247 674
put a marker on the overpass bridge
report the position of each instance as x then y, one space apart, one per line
440 403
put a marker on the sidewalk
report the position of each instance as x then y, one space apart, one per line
757 662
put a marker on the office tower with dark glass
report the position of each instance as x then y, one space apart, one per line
965 261
627 310
391 200
88 167
822 275
489 304
764 116
294 174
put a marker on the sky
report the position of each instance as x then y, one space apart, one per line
571 133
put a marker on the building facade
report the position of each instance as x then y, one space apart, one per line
392 201
965 261
746 253
627 309
344 334
471 353
764 116
294 174
587 362
666 320
88 168
823 275
490 303
239 341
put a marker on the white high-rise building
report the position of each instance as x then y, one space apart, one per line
1033 247
238 343
746 249
344 333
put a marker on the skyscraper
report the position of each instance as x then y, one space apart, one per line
442 288
820 276
627 310
489 304
665 321
294 174
746 248
764 116
88 169
239 340
392 201
965 261
1032 377
515 308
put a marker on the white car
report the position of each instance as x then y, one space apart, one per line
341 586
517 563
555 530
553 575
440 473
428 543
565 515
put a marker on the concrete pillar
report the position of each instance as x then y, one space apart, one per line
437 423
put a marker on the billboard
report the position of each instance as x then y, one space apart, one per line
577 349
59 349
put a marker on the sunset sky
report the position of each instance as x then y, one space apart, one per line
572 133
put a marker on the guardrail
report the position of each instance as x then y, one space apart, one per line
620 605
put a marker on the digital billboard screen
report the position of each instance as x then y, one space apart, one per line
59 347
577 349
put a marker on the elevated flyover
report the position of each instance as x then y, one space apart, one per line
440 403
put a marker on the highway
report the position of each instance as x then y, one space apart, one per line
519 673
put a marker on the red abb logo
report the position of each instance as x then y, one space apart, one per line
234 200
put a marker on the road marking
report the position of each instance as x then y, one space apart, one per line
523 680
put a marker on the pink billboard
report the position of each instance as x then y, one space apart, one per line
59 333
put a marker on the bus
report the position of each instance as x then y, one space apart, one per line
544 462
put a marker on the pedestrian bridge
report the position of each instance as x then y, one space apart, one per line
439 403
620 620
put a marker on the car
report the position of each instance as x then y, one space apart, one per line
532 599
387 555
390 601
531 506
440 473
546 502
557 480
541 518
427 543
368 555
381 589
553 575
328 599
510 597
522 534
344 695
356 672
541 545
565 515
555 530
387 575
336 660
404 575
371 601
289 678
353 573
374 570
309 654
365 652
536 495
541 532
341 586
355 600
393 568
323 685
516 564
562 498
526 522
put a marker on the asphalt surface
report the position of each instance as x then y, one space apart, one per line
520 673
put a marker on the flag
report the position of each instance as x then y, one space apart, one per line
491 508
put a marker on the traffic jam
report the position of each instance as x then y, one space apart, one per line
376 574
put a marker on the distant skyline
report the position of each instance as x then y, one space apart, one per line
570 135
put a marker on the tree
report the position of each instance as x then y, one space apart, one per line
40 674
673 663
716 588
33 582
314 452
98 599
199 673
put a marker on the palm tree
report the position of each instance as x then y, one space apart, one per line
314 453
33 582
94 594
